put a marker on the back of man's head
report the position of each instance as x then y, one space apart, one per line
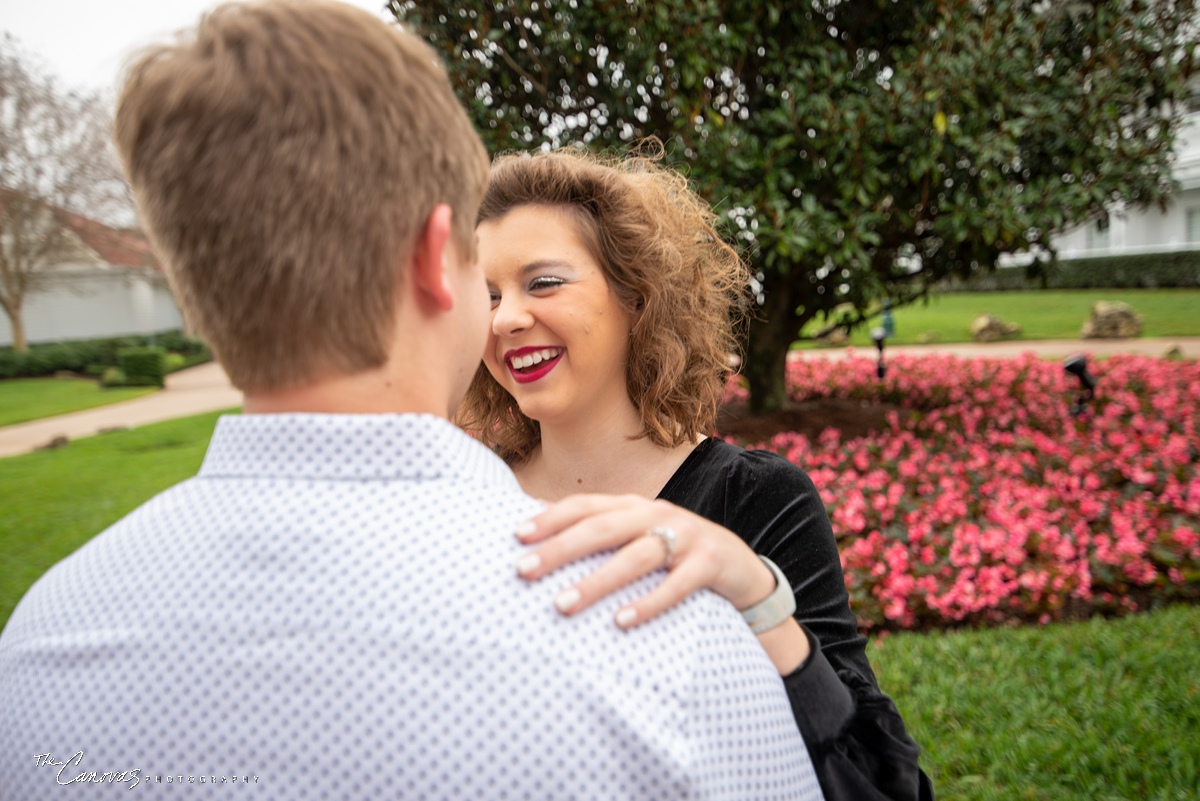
284 157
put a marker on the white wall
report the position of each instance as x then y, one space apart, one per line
1137 231
89 304
1149 230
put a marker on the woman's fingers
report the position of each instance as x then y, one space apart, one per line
569 511
629 564
605 531
681 582
704 555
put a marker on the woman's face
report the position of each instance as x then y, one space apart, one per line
559 339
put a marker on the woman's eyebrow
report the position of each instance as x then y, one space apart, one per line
542 264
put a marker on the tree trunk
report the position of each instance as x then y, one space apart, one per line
771 336
17 321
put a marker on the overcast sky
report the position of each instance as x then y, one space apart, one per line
84 43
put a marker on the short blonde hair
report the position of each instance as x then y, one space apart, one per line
285 157
655 240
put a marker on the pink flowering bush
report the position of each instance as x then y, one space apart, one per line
989 502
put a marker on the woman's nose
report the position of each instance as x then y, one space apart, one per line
511 316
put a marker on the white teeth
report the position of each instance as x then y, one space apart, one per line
537 357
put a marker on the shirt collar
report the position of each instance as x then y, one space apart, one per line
350 447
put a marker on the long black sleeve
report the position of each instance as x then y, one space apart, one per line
855 735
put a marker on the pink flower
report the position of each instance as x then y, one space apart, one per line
991 502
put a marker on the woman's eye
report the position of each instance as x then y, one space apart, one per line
495 297
544 282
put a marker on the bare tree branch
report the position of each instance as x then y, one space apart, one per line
55 160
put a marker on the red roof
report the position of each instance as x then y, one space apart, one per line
118 247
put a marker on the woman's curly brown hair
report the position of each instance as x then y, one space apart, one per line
656 243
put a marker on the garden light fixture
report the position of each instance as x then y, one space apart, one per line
1077 366
887 321
879 336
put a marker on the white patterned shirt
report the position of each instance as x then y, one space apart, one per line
330 609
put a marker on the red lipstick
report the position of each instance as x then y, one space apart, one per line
538 372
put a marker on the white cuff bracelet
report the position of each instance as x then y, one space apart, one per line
776 607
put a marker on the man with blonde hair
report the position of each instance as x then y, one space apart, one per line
329 608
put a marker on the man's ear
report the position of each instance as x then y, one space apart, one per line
430 257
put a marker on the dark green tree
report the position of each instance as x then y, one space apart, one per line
858 149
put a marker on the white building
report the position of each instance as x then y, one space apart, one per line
1138 231
111 287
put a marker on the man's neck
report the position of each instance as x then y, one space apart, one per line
372 392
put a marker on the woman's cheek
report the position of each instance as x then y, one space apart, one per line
494 368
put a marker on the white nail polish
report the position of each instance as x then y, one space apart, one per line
566 599
525 528
528 563
626 617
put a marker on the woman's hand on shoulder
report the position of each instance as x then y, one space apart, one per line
705 555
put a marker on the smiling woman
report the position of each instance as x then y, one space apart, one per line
643 245
559 336
614 310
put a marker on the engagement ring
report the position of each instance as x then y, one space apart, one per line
667 537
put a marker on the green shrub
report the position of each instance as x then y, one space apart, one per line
108 348
51 358
143 366
112 377
10 363
141 381
197 358
70 357
93 355
38 361
176 342
173 362
115 377
1141 271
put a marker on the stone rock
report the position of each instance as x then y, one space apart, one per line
834 339
1173 352
990 328
1112 320
60 441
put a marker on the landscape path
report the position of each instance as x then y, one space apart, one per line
206 388
1189 347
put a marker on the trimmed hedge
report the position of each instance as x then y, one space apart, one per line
176 342
93 356
112 377
143 365
1142 271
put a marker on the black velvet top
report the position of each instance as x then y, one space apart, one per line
855 735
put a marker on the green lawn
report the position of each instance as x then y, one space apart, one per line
24 399
1098 710
51 502
1050 314
1107 709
